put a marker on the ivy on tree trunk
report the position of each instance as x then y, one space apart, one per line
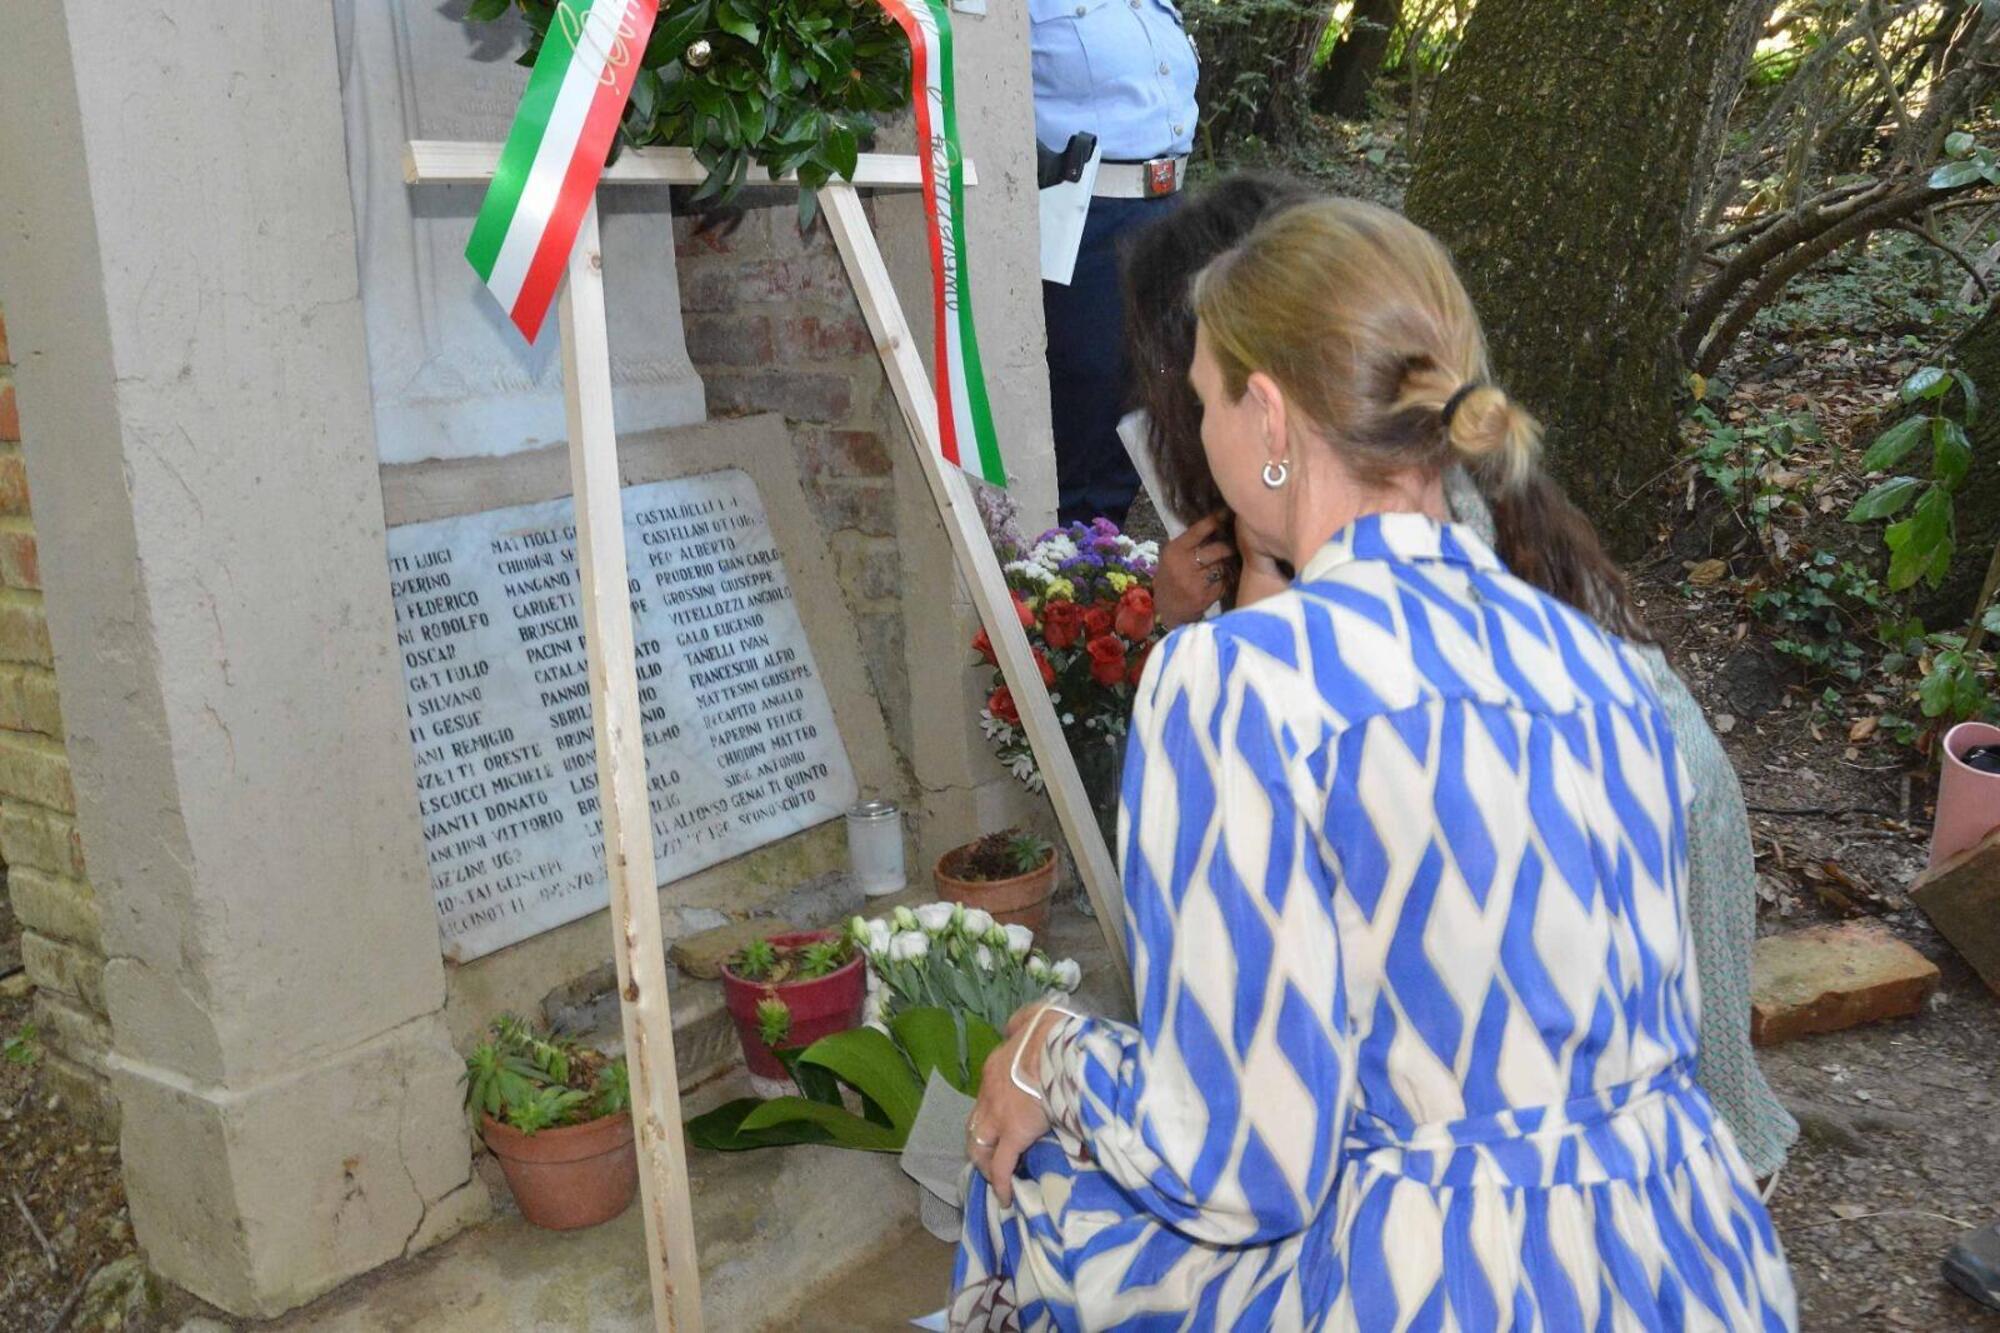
1558 165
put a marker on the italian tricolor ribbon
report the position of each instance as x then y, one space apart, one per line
965 418
555 152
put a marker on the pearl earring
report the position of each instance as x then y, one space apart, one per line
1276 473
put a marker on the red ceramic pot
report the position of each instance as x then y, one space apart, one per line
576 1176
820 1007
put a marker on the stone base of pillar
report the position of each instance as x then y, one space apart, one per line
313 1177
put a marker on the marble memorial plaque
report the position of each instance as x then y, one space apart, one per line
741 746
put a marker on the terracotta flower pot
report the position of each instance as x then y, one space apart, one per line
1968 805
1020 901
576 1176
820 1007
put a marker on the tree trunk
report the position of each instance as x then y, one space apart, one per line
1732 69
1558 165
1351 69
1978 507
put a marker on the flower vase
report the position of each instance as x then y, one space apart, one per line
1968 804
1101 764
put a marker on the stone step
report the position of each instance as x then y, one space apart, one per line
1829 978
770 1224
705 1045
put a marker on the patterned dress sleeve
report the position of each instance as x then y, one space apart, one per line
1222 1112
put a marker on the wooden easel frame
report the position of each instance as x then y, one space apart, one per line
639 950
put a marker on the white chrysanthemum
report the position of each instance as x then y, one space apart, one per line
1055 552
935 917
1019 940
1067 974
908 946
1029 570
976 922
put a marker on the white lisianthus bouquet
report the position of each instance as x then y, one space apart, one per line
954 957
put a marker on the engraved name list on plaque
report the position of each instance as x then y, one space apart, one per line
740 741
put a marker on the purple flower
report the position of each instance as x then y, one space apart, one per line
1103 527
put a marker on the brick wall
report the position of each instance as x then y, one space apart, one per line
46 881
773 326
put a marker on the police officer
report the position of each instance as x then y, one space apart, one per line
1123 70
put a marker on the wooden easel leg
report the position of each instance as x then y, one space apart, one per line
990 594
638 946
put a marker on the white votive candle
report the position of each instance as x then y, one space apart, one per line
875 847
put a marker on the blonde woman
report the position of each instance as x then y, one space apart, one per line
1405 852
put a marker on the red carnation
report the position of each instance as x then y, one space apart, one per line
1026 612
1097 621
1048 672
1138 667
984 647
1135 614
1062 623
1107 659
1001 705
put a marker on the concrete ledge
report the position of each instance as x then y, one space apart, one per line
770 1223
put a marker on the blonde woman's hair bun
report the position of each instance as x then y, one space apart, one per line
1491 433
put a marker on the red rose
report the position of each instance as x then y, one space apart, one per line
1097 621
1048 672
1135 614
1062 623
1026 612
1001 705
984 647
1107 659
1138 667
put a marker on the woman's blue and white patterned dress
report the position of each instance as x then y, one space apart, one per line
1405 859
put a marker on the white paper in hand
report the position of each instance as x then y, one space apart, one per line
1132 431
1064 208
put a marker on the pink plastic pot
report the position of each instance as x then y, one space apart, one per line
820 1007
1968 806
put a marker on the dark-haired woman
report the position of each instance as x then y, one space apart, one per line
1543 539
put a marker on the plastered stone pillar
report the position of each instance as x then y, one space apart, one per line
177 264
964 790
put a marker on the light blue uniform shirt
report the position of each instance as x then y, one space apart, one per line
1123 70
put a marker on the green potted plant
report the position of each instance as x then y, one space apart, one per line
558 1117
1009 874
883 1070
791 989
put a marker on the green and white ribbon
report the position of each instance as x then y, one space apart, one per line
965 417
555 152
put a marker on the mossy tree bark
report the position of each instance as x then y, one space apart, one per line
1978 499
1558 165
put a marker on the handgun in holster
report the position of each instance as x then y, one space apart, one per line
1066 167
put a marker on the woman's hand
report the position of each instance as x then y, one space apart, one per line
1006 1120
1196 569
